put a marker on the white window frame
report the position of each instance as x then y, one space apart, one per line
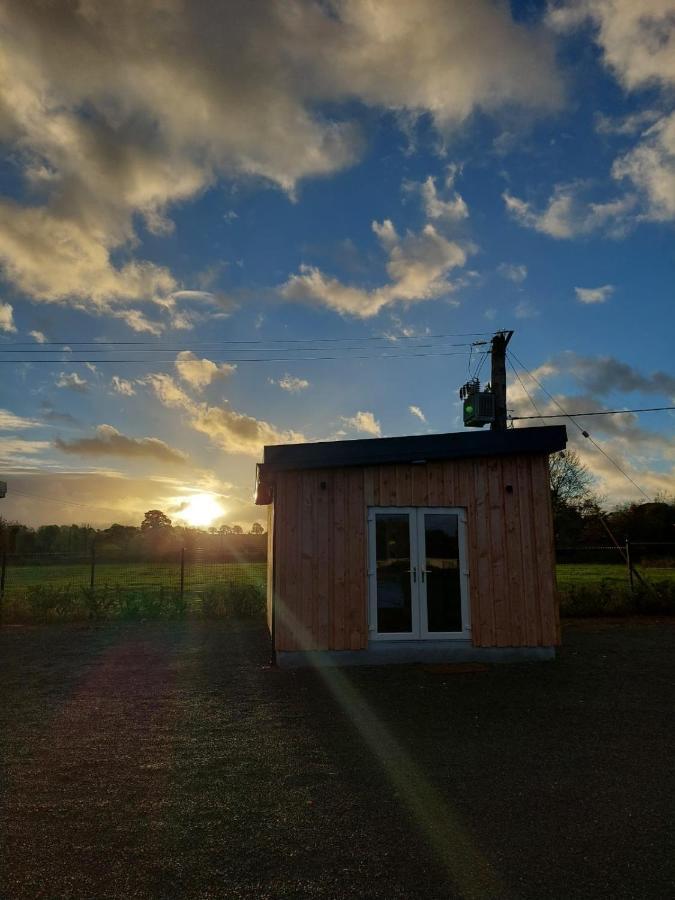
418 582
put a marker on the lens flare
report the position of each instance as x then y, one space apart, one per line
201 510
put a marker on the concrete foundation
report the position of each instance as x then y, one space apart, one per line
405 652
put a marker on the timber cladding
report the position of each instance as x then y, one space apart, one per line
320 547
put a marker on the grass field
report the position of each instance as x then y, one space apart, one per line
139 576
136 576
571 575
167 760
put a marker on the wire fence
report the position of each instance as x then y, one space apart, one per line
186 572
105 581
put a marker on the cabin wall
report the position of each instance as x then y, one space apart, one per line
320 547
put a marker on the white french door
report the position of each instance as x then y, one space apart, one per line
417 567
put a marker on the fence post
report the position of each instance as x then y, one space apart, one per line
92 571
182 572
630 565
3 571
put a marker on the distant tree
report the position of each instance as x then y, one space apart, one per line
237 529
257 528
575 506
571 481
155 520
225 529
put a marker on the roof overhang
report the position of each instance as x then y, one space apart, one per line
413 449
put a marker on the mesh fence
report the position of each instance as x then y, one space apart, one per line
189 573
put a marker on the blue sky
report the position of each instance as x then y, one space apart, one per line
365 179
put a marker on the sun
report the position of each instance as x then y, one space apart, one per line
201 510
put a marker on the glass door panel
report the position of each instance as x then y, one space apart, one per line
440 575
393 573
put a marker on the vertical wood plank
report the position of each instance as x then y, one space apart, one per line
270 564
323 569
545 550
339 566
481 578
280 568
514 557
497 551
420 491
404 481
530 563
306 604
356 611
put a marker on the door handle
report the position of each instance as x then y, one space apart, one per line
414 572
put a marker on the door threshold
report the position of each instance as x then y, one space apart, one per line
406 652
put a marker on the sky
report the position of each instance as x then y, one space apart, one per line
226 224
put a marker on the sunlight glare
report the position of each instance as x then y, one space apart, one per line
201 510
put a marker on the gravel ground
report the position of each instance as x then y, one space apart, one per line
168 760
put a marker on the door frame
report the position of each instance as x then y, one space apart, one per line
417 581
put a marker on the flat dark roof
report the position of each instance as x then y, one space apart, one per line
419 448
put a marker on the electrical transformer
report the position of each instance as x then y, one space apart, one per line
478 406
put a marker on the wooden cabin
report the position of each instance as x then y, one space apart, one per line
433 547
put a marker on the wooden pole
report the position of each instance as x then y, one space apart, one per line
630 566
498 380
92 571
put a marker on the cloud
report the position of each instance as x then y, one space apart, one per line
416 411
650 166
114 114
602 375
452 208
417 265
637 39
199 373
364 422
594 295
122 386
7 318
512 272
647 456
51 415
233 431
111 442
526 310
11 422
638 44
38 336
626 125
291 383
567 215
14 451
73 382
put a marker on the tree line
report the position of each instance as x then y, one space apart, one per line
578 515
156 533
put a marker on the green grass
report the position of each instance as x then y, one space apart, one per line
134 576
571 575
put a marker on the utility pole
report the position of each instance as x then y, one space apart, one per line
498 383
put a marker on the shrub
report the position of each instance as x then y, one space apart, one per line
241 600
607 598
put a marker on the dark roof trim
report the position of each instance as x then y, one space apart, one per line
420 448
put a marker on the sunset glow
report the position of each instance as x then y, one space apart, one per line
201 510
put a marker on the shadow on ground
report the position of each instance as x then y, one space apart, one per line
168 760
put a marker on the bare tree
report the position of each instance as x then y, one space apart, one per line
571 481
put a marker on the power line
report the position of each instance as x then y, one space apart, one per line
527 393
237 360
403 337
600 412
584 433
219 349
